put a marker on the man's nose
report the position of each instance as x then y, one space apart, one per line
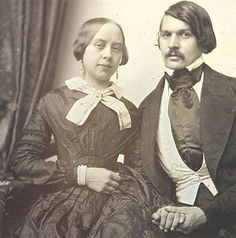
174 42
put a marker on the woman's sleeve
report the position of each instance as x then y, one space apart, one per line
28 162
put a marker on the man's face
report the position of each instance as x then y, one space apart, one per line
178 45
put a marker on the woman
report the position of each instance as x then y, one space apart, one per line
87 193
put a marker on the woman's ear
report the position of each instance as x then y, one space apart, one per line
120 60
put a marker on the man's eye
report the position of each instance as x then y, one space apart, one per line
186 34
165 35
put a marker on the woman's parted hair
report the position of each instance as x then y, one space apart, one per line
86 33
199 21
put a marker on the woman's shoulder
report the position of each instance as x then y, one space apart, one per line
54 98
61 94
55 93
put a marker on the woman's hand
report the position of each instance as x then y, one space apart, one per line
102 180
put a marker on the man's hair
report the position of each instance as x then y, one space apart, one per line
86 33
199 21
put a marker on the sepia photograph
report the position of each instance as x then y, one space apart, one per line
117 119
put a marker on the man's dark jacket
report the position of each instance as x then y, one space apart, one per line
218 136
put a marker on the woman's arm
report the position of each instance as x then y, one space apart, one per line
28 162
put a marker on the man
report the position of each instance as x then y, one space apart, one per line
188 132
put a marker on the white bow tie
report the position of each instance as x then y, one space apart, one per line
82 108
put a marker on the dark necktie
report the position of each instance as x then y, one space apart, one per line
184 114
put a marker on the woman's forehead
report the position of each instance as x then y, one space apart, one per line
109 32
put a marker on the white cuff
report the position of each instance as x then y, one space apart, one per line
81 174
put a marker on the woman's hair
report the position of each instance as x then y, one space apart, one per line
86 33
199 21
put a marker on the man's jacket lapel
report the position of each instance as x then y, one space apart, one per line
150 108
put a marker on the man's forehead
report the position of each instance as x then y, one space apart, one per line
170 23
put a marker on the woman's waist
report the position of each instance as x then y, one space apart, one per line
89 161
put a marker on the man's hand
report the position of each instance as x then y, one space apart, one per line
194 217
167 220
102 180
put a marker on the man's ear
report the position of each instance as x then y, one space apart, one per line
203 49
158 40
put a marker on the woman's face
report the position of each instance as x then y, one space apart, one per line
103 55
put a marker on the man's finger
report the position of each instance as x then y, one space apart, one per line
171 209
182 218
155 222
163 219
169 221
175 221
157 215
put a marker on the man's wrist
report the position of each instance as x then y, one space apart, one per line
202 216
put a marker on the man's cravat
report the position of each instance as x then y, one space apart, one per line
184 110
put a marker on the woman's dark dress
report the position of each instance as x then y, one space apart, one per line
68 210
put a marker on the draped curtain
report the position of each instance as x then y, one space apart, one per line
29 41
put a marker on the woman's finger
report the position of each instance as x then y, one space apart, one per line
109 189
115 176
113 184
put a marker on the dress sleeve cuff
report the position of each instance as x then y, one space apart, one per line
71 176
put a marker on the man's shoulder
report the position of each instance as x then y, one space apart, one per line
153 95
217 74
148 99
221 79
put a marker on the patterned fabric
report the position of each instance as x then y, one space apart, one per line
66 209
29 42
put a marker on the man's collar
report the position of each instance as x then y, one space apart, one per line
78 83
195 64
190 67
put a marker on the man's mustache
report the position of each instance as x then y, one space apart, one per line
174 53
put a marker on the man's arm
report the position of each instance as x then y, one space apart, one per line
222 206
211 213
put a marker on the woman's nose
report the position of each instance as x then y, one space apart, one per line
107 52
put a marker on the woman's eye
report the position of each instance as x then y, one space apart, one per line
99 45
116 49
